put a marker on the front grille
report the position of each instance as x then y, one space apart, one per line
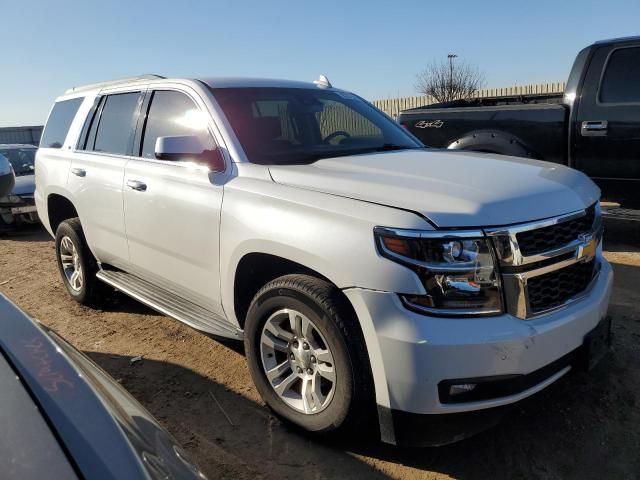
554 288
533 242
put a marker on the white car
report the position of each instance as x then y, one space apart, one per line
369 276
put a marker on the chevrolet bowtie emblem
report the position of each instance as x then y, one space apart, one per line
588 246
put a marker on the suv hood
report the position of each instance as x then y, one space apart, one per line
450 188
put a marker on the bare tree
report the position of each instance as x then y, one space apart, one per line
449 80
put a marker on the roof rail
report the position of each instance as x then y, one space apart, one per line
149 76
617 39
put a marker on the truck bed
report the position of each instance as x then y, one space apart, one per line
535 130
527 99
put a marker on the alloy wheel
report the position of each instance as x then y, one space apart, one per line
71 265
297 361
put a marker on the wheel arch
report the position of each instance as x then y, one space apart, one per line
281 265
493 141
59 209
256 269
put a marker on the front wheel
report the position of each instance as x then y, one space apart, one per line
306 354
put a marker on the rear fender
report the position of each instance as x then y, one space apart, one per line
493 141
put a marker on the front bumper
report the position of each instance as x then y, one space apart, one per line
24 209
411 354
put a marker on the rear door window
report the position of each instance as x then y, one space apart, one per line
621 80
174 114
59 122
115 127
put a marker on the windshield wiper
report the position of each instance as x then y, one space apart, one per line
313 157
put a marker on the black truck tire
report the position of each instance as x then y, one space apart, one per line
325 307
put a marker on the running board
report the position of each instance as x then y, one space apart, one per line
169 303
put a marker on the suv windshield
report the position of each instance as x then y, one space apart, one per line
22 159
298 125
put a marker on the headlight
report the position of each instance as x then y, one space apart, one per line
457 269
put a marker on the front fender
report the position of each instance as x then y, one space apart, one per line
328 234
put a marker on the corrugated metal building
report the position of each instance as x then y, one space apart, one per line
30 135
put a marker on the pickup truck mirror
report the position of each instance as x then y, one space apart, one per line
188 147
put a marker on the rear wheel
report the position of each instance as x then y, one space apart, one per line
305 351
77 265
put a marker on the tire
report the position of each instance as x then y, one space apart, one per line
89 290
7 221
350 403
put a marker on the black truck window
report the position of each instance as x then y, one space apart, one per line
621 80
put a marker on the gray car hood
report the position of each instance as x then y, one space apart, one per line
452 189
28 448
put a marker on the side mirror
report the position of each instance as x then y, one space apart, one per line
6 176
188 147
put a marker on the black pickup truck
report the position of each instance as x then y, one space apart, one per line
593 127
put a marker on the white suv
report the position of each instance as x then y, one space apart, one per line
361 269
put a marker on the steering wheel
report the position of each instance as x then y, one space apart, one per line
333 135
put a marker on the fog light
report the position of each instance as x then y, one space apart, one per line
462 388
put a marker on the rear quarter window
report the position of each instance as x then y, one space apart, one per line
59 122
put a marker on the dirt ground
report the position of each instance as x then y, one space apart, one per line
584 426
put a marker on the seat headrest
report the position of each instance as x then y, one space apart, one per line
268 128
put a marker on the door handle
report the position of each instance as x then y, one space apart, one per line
80 172
137 185
594 128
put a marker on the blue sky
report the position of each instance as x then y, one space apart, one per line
372 47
